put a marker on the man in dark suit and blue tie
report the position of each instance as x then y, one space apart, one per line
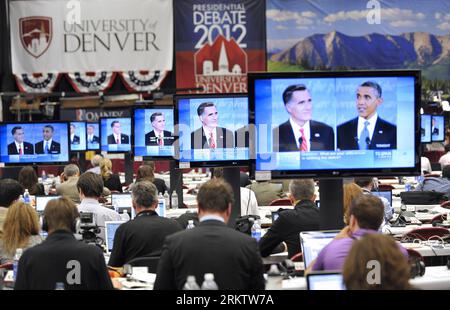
210 136
368 131
74 139
91 137
48 145
300 132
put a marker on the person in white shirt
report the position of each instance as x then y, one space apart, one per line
18 146
445 159
117 137
90 186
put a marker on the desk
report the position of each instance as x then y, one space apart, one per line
435 278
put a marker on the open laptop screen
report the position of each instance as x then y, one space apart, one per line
41 202
384 193
325 281
110 231
313 242
122 202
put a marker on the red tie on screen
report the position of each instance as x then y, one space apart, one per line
160 142
20 151
212 143
304 145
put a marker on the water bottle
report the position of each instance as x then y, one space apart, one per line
26 196
190 224
167 200
125 216
59 286
209 283
191 284
174 200
21 198
17 256
256 230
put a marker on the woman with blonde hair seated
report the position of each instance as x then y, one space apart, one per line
20 230
351 191
110 180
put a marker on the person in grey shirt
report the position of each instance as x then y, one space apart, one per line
436 184
69 180
95 161
90 186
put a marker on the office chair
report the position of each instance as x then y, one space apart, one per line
446 204
297 257
438 219
151 262
281 202
424 233
432 175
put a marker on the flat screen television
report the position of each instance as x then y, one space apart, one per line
425 128
93 136
77 136
154 132
115 134
437 128
34 142
212 130
335 124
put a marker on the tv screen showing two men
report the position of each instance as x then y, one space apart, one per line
213 128
31 143
115 134
154 130
334 123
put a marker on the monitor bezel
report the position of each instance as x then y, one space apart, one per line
45 163
215 163
339 173
101 135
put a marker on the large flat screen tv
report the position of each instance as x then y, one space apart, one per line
154 132
34 142
77 136
334 124
212 129
425 128
115 134
437 128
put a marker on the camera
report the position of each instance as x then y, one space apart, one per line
89 228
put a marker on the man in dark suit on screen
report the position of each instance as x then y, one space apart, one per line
434 128
117 137
74 139
91 137
211 247
300 132
368 130
210 136
158 136
48 145
19 147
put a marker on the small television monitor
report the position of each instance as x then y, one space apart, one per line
110 232
325 280
77 136
437 128
425 128
154 132
34 142
335 124
115 134
213 130
92 136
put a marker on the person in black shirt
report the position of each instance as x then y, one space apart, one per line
146 173
304 217
61 258
144 234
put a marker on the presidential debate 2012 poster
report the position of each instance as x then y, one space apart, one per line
218 42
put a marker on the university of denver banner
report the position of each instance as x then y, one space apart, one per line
110 35
217 42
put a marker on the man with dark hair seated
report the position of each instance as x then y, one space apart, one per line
211 247
61 258
436 184
10 191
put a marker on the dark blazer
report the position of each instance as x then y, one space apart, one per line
28 149
225 139
76 140
211 247
43 265
322 137
435 131
124 139
113 183
304 217
95 139
384 135
141 236
160 185
151 139
55 147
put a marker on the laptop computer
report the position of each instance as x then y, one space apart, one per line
312 242
110 231
123 202
386 193
41 202
325 280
